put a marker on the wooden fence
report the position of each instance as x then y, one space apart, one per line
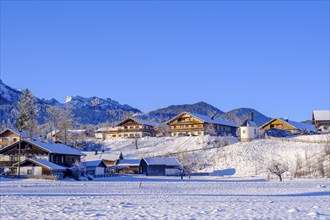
297 140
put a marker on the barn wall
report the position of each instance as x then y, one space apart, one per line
156 170
99 171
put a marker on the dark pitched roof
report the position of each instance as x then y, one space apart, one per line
168 161
249 123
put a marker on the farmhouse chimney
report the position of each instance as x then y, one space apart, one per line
251 116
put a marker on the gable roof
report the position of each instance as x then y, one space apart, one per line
44 163
249 123
206 119
128 162
168 161
321 115
23 134
140 121
51 148
296 125
94 163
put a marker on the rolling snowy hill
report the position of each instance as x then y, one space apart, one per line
209 154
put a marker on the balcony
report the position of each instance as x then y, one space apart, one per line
7 163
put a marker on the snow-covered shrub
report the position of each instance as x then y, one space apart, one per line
78 171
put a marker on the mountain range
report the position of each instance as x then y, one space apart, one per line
96 110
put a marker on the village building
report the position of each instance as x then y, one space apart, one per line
11 135
40 167
107 132
321 120
128 166
59 154
291 126
95 167
191 124
108 158
158 166
249 129
128 128
69 136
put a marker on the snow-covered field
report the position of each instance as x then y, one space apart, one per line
165 198
247 158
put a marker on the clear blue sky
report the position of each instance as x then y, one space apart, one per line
271 55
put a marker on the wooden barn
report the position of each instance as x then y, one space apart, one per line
128 165
40 167
285 124
160 166
321 120
191 124
95 167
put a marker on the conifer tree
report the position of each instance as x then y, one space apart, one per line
27 113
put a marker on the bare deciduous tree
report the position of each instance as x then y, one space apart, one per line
210 129
277 168
60 119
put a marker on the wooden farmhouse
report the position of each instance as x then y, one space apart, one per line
191 124
10 135
160 166
40 167
59 154
285 124
128 128
321 120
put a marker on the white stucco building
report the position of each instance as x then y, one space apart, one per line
249 129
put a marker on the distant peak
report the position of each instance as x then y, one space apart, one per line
68 99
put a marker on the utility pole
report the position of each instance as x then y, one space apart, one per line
19 154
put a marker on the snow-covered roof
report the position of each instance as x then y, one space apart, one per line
249 123
321 115
145 122
46 163
295 124
168 161
90 156
129 162
141 121
208 119
56 148
24 134
92 163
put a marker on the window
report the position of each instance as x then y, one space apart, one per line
29 172
13 158
14 139
243 131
